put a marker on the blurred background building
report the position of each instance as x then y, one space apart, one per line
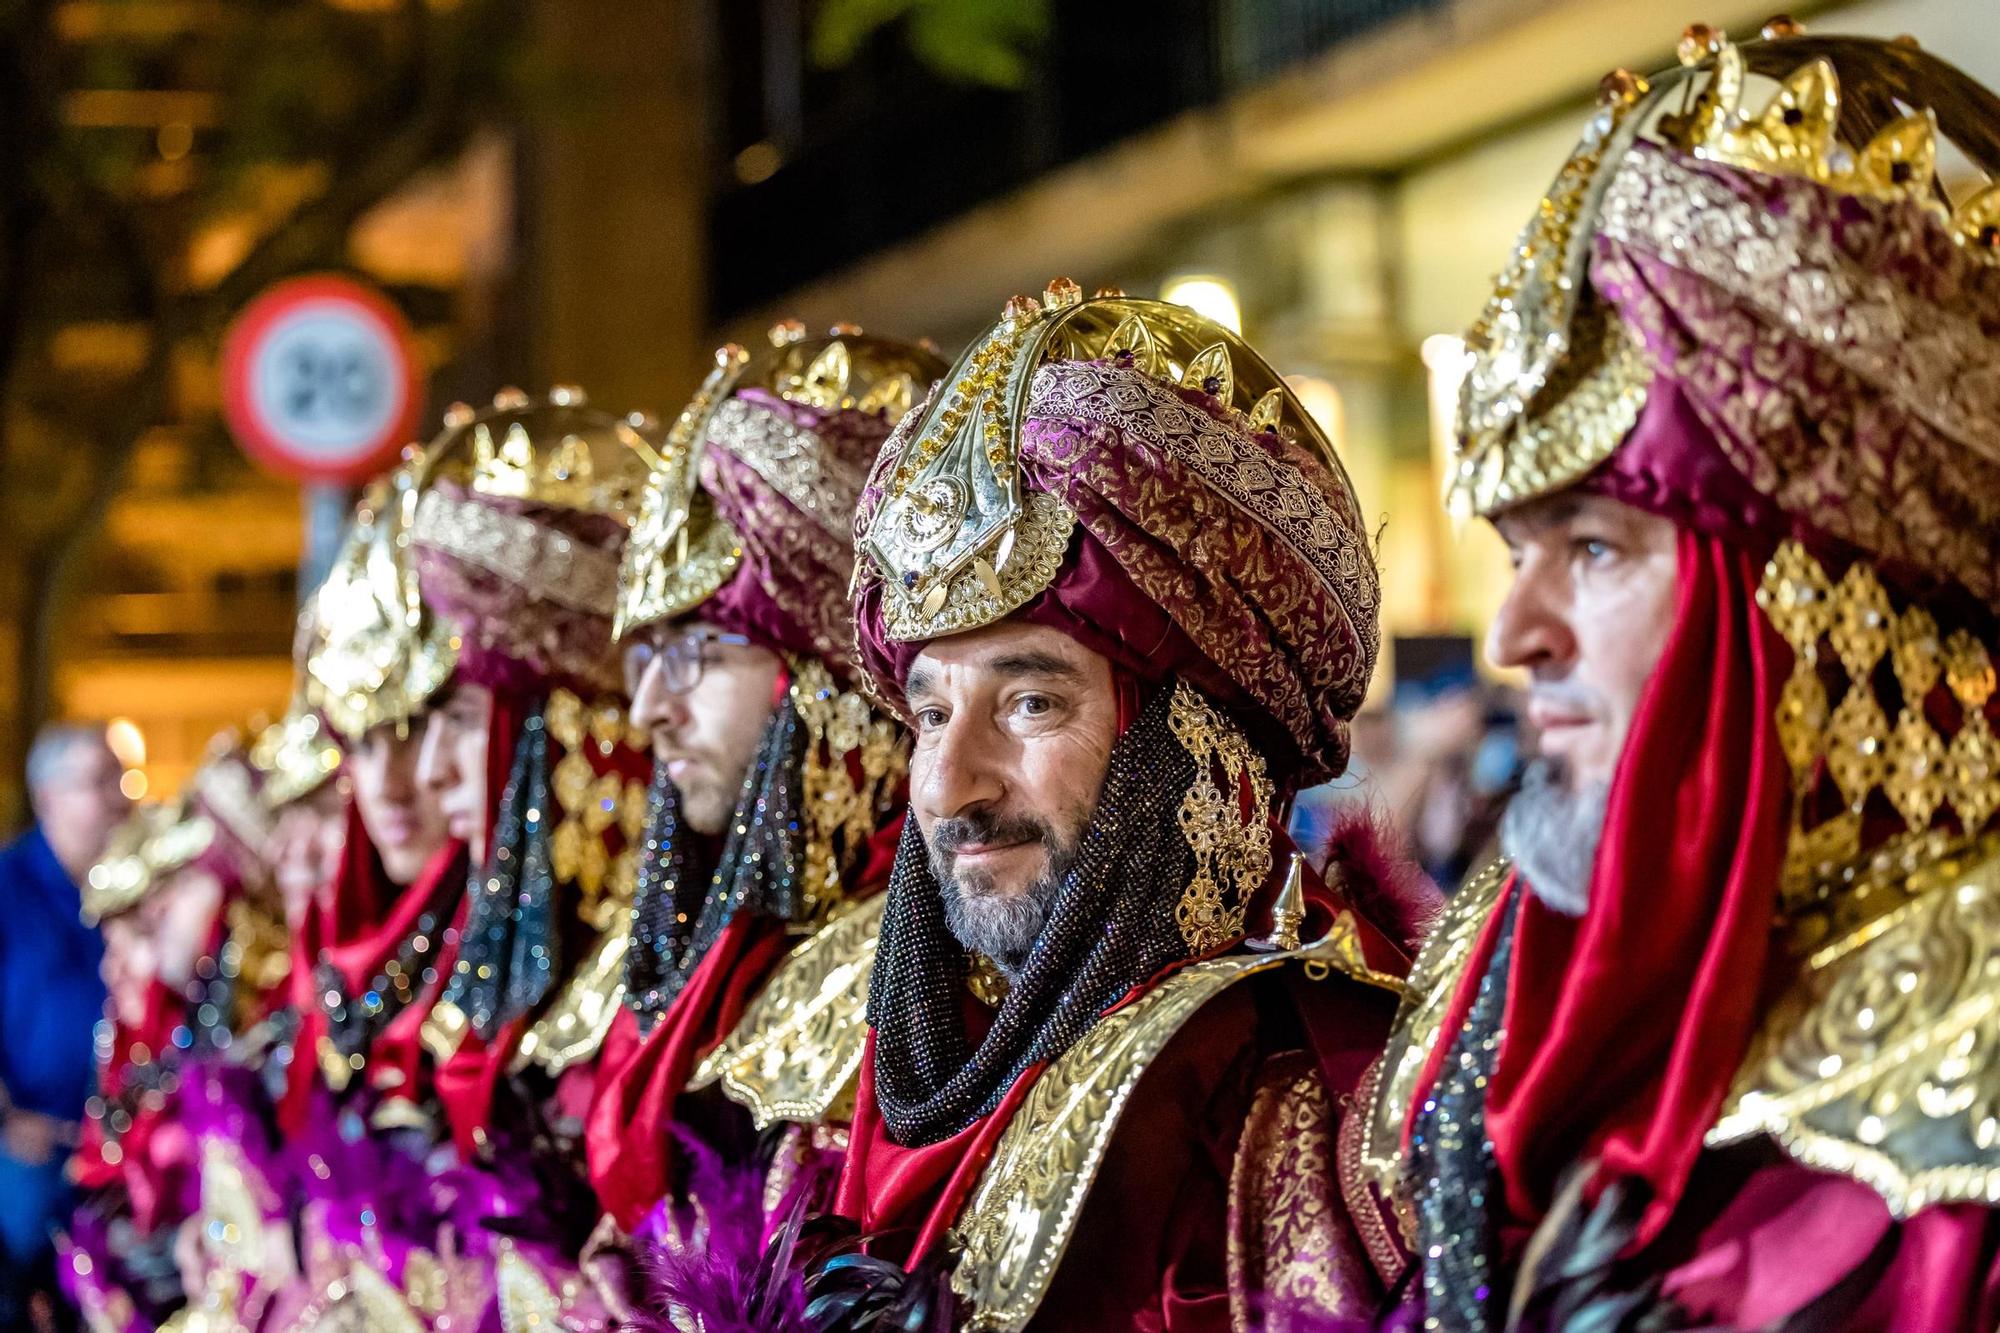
596 191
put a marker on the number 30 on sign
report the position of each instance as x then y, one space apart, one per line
319 380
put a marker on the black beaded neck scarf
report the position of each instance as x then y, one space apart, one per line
1112 925
508 950
677 911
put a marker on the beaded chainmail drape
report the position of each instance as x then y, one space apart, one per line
678 913
1452 1160
509 947
826 773
1112 925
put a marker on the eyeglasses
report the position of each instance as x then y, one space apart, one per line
682 658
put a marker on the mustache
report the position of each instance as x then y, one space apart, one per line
1565 694
950 835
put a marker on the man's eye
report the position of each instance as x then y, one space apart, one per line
1035 705
930 719
1593 549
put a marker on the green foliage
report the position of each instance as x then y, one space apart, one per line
991 42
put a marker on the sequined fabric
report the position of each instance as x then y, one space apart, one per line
1454 1166
507 950
678 913
1111 927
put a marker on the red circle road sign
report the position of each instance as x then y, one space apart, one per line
319 379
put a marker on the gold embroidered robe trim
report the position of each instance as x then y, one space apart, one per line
795 1052
1878 1062
574 1027
1433 981
1021 1217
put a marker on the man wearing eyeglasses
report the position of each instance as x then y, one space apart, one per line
777 788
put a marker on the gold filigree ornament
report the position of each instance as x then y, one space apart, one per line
1232 851
1021 1217
1880 1060
840 813
373 656
1853 746
1434 979
681 550
955 540
1554 381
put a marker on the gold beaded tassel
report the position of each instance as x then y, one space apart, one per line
1916 781
1972 765
590 803
1798 600
1853 745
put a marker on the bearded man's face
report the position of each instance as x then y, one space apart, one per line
1014 727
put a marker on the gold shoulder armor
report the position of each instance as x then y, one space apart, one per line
1433 981
576 1024
798 1047
1022 1215
1882 1060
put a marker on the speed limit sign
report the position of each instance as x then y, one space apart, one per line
319 380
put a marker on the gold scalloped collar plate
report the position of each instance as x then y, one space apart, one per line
1021 1217
796 1051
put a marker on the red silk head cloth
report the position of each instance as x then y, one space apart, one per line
1068 474
1624 1028
747 522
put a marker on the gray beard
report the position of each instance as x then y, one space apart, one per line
1551 835
1002 928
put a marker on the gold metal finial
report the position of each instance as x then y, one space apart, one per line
1107 290
1020 308
1288 912
844 330
566 395
1698 42
1621 87
1780 26
458 414
1061 294
787 331
510 399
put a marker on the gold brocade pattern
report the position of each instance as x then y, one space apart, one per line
816 480
951 523
1433 981
1878 1063
1014 1231
548 565
795 1053
1286 1228
1228 845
